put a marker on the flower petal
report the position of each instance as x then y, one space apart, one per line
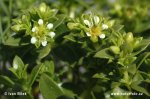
52 34
44 43
102 36
40 22
87 22
88 34
34 29
50 26
104 26
33 40
96 19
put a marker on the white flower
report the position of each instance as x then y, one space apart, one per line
96 19
33 40
87 22
104 26
34 29
15 66
88 34
102 36
50 26
44 43
52 34
40 22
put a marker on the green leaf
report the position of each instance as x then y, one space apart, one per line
36 70
12 41
104 54
68 94
4 7
139 61
139 89
49 67
70 37
49 88
17 62
6 81
100 76
117 27
19 69
60 20
142 46
140 27
132 69
137 78
44 51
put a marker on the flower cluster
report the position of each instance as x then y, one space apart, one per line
41 31
94 26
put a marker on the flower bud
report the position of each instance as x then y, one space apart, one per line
115 49
72 25
94 39
129 37
42 7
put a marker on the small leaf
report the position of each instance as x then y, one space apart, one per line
49 67
132 69
100 76
17 62
60 20
6 81
139 89
49 88
12 41
36 70
44 51
142 46
19 69
104 54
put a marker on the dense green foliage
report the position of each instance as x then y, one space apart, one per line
75 49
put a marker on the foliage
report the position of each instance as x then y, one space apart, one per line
77 49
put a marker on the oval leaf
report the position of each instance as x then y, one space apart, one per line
49 88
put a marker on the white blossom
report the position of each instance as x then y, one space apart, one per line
102 36
96 19
52 34
40 22
33 40
104 26
50 26
34 29
87 22
44 43
88 34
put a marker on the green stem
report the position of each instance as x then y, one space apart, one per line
1 31
92 94
143 60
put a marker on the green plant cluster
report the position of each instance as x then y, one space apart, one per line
79 49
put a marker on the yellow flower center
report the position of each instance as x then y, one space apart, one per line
41 31
95 31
